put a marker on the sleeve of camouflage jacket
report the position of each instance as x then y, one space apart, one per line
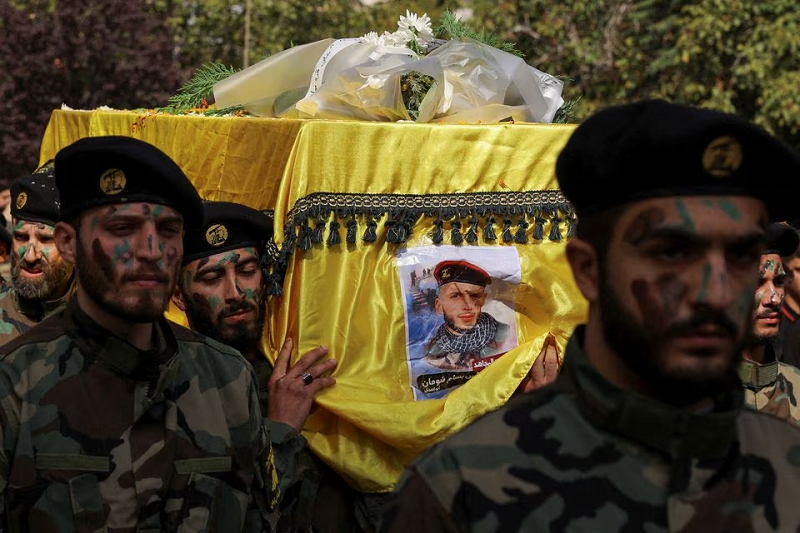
9 427
286 447
413 506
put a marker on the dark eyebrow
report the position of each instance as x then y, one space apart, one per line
203 271
679 234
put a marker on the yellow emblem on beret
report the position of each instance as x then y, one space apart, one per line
22 199
445 274
723 156
216 235
113 181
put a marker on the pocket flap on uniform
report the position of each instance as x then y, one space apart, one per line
69 461
203 465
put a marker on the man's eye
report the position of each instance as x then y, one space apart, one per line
121 229
744 255
170 230
20 237
670 253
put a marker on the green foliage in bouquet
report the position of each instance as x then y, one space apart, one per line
414 86
453 28
195 94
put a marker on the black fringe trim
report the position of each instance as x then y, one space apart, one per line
467 215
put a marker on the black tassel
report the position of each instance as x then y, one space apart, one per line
370 234
319 232
438 232
351 230
522 227
305 237
472 232
455 232
274 286
538 226
488 230
572 223
555 230
333 236
507 230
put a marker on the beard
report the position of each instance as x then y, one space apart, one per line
54 277
206 321
641 350
98 277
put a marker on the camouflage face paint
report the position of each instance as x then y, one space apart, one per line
686 217
122 252
659 301
731 210
701 295
643 224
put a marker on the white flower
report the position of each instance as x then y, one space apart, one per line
370 38
399 38
419 27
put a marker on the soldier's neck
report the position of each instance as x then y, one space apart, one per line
252 353
757 354
138 334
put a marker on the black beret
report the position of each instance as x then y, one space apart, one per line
655 149
782 239
116 169
226 226
34 198
462 272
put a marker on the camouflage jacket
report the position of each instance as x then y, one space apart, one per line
772 388
314 496
100 436
584 455
18 315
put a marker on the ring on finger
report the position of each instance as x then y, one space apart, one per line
307 378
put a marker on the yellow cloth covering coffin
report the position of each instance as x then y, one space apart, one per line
347 296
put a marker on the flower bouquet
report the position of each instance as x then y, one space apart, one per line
406 75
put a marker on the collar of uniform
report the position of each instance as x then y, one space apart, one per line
789 313
642 419
756 376
37 310
98 343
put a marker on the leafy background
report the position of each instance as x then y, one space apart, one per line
732 55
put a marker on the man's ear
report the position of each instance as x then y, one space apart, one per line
582 258
177 297
66 239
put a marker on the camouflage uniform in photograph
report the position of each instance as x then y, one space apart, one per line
104 430
25 301
645 428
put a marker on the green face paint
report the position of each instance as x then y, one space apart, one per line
93 223
685 216
157 209
18 225
214 302
730 210
701 296
121 250
21 251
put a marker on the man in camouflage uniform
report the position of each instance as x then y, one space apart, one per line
770 384
112 418
644 429
222 291
788 343
41 280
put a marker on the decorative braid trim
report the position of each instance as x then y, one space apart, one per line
526 212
